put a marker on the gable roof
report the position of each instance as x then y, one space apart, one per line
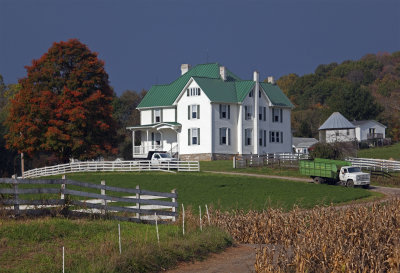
303 142
276 95
207 76
359 123
336 121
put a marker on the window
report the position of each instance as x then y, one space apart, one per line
259 93
224 136
193 91
224 111
348 132
276 115
262 112
248 136
194 111
248 113
194 136
275 137
262 138
251 93
156 115
337 133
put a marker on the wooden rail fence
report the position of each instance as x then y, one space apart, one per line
277 159
375 164
120 166
146 203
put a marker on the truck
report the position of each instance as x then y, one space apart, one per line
160 158
334 172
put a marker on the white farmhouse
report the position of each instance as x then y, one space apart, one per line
210 113
369 130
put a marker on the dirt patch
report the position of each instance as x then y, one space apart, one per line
237 259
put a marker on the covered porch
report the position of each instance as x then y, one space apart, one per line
156 137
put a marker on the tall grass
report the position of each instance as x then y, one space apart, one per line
35 245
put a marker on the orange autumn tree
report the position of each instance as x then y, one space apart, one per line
64 105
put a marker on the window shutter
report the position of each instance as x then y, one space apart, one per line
229 112
265 138
198 111
187 92
152 138
220 136
198 136
188 111
265 113
161 118
152 116
270 137
220 111
281 114
189 137
229 136
281 137
199 91
273 114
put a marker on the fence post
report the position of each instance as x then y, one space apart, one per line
138 204
234 162
63 190
103 192
174 201
16 204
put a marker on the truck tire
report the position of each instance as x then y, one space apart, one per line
318 180
350 183
365 186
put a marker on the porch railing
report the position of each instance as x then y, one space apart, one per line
144 149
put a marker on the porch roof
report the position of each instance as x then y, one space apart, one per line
155 125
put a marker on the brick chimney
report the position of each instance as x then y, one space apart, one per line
222 72
271 80
185 68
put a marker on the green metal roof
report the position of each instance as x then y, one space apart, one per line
275 94
208 78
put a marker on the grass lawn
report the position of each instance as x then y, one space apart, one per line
35 245
227 166
228 192
386 152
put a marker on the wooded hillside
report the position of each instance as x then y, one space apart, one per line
368 88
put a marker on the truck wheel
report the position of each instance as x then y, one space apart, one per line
365 186
318 180
350 183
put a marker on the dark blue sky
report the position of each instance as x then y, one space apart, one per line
145 42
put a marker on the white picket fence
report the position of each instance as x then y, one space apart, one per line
375 164
114 166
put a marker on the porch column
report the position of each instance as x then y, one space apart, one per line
145 149
133 142
240 131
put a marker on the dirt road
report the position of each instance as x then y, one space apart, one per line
237 259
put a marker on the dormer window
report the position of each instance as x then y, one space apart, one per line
193 91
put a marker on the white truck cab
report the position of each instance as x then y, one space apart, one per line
353 176
160 158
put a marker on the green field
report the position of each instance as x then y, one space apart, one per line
228 192
227 166
92 245
386 152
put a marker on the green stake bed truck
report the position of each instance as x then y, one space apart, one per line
334 172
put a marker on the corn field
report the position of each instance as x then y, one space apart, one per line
324 239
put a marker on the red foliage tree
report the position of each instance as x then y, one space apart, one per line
64 105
